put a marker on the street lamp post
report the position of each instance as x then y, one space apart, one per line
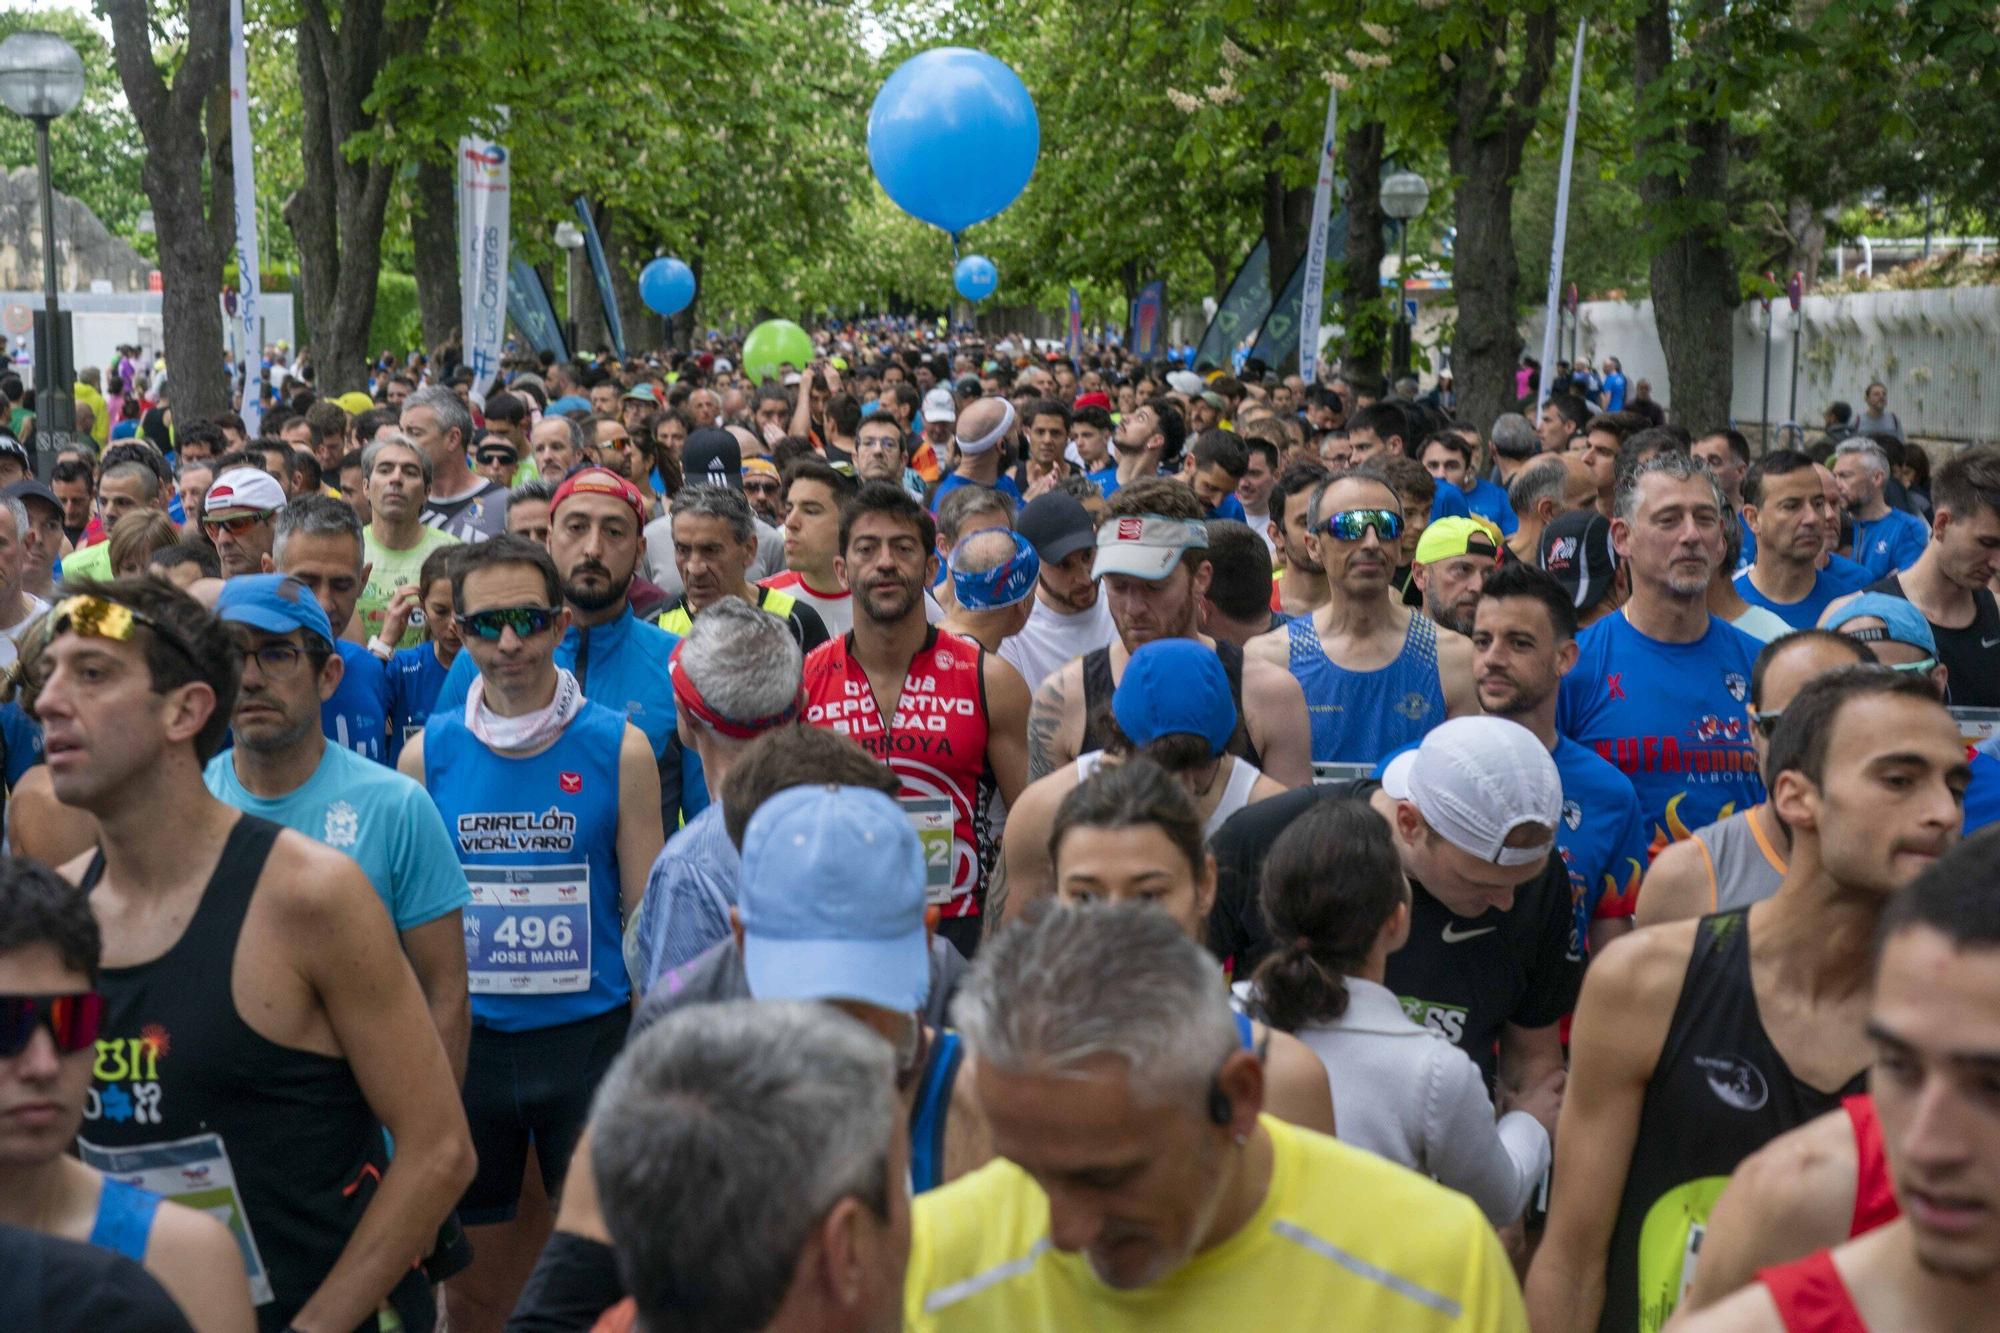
570 237
41 77
1405 195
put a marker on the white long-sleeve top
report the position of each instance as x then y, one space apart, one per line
1406 1093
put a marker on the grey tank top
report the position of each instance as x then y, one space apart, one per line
1743 866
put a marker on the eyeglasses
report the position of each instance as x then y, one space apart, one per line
235 527
761 487
1766 723
525 621
102 618
73 1020
1915 668
1349 525
274 659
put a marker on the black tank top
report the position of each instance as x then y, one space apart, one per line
1971 654
1720 1092
181 1080
1098 686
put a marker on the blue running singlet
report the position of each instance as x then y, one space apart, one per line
1359 716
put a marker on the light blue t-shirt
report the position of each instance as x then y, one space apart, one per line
383 820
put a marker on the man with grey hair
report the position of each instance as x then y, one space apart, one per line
1886 540
715 546
1543 490
1137 1161
396 542
736 676
558 445
1514 442
461 502
788 1115
1662 689
528 510
18 606
320 542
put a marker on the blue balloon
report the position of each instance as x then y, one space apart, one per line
975 277
953 137
666 286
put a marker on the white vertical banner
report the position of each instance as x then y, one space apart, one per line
482 256
1552 327
1315 277
249 284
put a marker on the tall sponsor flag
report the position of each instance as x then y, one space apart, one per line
1148 314
1552 326
1242 311
593 248
528 305
1315 277
249 282
1278 340
483 188
1075 325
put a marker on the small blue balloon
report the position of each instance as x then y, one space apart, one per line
666 286
953 137
975 277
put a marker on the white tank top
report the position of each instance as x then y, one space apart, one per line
1243 776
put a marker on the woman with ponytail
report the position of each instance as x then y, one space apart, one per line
1338 906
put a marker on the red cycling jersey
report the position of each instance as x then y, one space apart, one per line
935 744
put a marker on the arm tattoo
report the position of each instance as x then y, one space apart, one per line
1045 719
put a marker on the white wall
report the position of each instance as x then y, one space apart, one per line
1938 351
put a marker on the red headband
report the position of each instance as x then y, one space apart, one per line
688 697
600 481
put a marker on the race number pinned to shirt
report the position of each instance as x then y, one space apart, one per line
932 818
194 1172
527 930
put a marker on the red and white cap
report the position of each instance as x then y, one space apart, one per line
1145 546
246 488
1477 779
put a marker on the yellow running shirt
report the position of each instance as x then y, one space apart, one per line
1344 1239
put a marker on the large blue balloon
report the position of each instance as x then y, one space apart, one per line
953 137
975 277
666 286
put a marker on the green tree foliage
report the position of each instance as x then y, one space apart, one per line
94 151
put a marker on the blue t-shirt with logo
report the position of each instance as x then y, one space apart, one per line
1884 545
1602 837
357 716
1672 717
384 821
415 678
1003 484
1835 581
1106 480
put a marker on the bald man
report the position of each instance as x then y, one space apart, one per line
983 431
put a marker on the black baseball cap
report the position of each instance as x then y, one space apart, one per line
1576 552
1056 525
711 457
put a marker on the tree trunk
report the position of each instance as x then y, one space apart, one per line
625 255
1362 311
1492 124
1287 216
337 219
170 123
434 240
1684 177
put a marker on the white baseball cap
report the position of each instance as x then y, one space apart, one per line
1477 779
1185 381
244 488
940 406
1144 546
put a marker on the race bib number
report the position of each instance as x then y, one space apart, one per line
931 817
194 1172
527 930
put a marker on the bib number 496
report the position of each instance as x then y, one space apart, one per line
522 931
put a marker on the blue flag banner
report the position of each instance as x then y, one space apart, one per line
1242 311
1075 326
528 305
594 248
1149 314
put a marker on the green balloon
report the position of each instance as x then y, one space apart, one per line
774 343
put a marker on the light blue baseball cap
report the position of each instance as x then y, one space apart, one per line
1901 621
832 900
274 603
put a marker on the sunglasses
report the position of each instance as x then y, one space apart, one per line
761 487
1348 525
525 621
72 1020
102 618
235 527
499 457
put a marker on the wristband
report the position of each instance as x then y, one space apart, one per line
380 649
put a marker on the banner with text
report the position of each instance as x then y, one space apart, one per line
593 247
1241 313
483 189
1315 261
533 313
1552 330
1278 340
249 282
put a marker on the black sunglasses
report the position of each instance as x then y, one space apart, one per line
525 621
73 1020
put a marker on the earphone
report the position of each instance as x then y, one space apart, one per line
1220 1109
